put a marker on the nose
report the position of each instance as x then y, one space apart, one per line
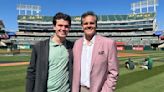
63 27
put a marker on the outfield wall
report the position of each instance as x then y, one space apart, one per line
135 47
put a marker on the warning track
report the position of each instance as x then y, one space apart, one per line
14 64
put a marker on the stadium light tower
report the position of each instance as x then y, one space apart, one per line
144 4
28 8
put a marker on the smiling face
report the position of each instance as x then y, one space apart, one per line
61 28
89 25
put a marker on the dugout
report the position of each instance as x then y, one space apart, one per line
128 47
148 47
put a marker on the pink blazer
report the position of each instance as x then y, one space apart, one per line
104 65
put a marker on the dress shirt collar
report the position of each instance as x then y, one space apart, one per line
91 41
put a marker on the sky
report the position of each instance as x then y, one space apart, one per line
8 12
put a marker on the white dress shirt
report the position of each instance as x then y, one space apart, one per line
86 58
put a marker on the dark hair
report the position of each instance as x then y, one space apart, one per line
63 16
87 14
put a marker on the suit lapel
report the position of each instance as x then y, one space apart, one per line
44 51
95 50
79 52
47 53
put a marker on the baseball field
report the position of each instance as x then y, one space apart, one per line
13 72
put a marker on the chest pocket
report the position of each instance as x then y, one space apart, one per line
101 58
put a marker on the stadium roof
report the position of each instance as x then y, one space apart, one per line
158 33
1 24
10 33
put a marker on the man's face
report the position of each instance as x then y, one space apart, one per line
61 28
89 25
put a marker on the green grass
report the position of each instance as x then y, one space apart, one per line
14 58
144 78
12 79
139 80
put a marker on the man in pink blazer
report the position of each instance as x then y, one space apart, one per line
95 67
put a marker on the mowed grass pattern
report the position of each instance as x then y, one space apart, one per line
12 79
139 80
142 80
14 58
